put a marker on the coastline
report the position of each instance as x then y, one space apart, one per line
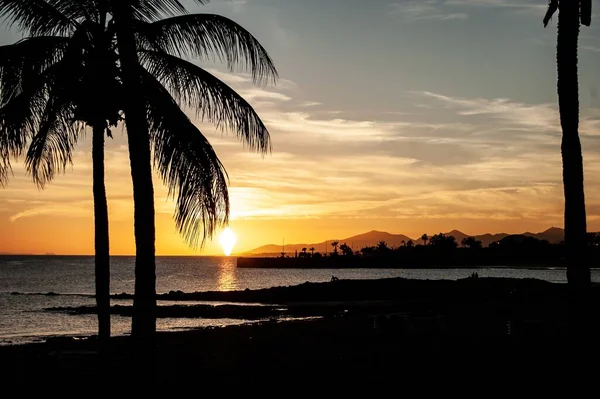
373 326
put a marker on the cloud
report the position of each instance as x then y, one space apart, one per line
443 157
451 10
442 17
590 48
415 10
449 157
538 117
310 104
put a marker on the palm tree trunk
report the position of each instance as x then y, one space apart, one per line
101 240
578 272
144 318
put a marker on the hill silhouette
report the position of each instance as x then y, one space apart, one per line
357 242
554 235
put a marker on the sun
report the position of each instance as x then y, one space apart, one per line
228 240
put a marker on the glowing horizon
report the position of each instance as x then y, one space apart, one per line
403 123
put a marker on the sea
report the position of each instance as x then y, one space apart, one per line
29 285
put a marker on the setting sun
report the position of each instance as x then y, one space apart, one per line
228 240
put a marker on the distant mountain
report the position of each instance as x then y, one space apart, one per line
487 239
554 235
458 235
374 237
357 242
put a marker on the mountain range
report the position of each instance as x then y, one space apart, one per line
554 235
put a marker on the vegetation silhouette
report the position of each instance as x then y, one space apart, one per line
155 80
48 78
441 251
335 248
471 242
570 14
346 250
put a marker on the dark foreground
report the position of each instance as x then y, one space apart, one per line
429 326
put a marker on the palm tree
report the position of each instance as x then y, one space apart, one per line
425 239
335 245
184 158
382 247
312 251
50 78
162 43
569 17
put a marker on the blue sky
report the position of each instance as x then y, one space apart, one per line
409 116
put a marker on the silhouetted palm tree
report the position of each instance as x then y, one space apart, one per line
335 245
571 12
425 239
312 251
184 158
51 87
382 247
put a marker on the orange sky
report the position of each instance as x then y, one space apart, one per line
461 134
329 179
59 219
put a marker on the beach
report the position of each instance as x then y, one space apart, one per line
371 326
29 285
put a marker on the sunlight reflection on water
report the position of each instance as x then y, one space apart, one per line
22 318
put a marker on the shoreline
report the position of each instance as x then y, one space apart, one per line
373 326
343 297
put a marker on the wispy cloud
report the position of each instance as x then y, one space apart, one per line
448 10
590 48
310 104
415 10
537 117
445 158
453 157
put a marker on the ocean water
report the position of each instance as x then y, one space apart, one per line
26 281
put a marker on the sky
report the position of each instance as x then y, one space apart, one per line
414 116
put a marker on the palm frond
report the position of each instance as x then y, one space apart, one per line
24 114
552 7
188 166
51 148
37 17
25 59
78 10
209 36
155 9
19 118
212 99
